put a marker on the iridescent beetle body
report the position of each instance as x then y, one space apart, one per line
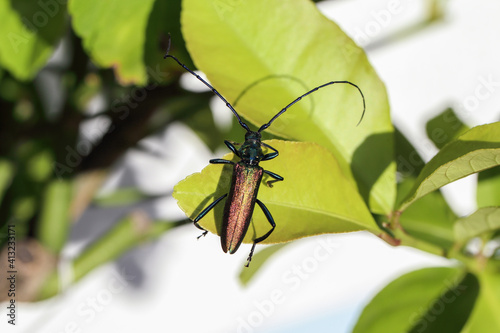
240 204
242 196
247 176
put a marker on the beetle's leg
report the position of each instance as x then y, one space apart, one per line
276 177
260 239
203 213
269 156
220 161
231 147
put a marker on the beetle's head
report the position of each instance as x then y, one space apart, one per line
251 151
252 136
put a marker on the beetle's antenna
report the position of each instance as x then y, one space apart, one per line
245 126
263 127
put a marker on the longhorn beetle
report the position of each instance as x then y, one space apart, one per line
247 175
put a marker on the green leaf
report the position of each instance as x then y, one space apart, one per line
430 218
127 233
316 197
483 220
437 299
258 260
488 188
484 318
476 150
39 166
28 34
121 196
408 160
238 43
23 209
445 127
113 32
127 35
450 311
55 220
6 174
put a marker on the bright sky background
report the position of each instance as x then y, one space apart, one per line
179 284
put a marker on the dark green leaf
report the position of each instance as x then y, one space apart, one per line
449 312
445 127
485 318
6 173
408 160
437 299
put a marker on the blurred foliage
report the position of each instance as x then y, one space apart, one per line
63 66
56 63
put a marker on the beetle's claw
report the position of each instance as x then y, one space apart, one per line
250 255
202 235
248 260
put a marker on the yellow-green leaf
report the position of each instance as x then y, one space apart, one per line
55 220
316 197
476 150
488 187
485 219
237 43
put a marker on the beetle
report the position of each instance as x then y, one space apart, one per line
247 174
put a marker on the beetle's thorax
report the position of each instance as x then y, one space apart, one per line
251 151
